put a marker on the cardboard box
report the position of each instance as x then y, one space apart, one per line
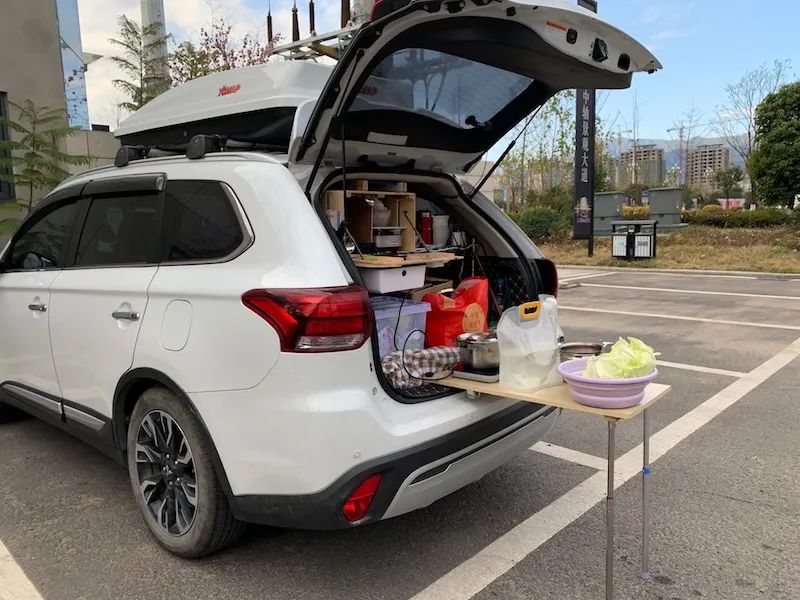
432 286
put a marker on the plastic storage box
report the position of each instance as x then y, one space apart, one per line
411 321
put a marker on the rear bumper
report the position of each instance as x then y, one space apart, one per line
413 478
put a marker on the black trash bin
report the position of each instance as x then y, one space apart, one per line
633 239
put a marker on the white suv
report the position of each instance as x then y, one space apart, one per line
199 319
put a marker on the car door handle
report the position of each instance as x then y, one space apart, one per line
38 307
126 315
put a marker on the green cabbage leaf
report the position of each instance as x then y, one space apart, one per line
626 359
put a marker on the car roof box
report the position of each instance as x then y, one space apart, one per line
253 106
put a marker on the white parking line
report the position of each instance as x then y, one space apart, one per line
710 370
573 456
682 291
677 318
474 574
577 277
14 585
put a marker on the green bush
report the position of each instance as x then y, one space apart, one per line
636 212
542 222
720 217
711 208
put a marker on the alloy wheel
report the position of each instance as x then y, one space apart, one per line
165 466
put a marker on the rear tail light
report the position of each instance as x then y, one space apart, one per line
356 506
315 320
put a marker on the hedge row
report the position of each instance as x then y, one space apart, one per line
542 222
761 217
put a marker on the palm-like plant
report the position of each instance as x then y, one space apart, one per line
34 159
140 62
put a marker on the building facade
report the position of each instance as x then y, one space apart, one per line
641 165
704 162
43 62
73 63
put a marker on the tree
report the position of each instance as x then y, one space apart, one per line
217 51
35 159
736 118
728 180
775 164
139 60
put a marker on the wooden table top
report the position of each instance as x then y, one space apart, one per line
559 396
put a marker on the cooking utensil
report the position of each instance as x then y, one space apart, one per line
582 350
603 393
478 351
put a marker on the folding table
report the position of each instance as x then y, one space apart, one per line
560 397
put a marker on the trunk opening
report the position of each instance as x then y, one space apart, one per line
491 246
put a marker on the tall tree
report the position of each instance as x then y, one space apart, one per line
775 164
139 59
218 50
736 118
728 180
35 160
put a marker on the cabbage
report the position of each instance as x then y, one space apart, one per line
626 359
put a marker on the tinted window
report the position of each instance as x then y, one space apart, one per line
199 222
41 245
460 92
119 230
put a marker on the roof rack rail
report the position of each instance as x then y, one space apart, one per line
200 145
126 154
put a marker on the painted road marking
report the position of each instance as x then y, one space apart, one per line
677 318
475 573
711 370
573 456
680 291
579 276
14 585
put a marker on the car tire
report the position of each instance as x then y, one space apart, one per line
173 478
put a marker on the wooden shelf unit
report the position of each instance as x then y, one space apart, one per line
352 206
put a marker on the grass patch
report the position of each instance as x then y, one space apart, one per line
9 210
8 227
775 250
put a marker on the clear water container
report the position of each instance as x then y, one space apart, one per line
527 337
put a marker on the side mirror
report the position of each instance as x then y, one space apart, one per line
33 262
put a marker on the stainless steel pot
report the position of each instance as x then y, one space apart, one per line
479 351
582 349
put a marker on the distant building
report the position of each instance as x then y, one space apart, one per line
73 62
704 162
642 165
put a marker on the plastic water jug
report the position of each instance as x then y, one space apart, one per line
527 337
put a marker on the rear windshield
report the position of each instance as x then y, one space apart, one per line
459 92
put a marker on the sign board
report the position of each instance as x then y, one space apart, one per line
583 213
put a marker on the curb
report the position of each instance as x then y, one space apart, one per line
753 274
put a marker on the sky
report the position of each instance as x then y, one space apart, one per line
703 44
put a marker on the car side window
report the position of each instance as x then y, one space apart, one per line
200 222
42 241
120 230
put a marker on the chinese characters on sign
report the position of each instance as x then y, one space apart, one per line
584 164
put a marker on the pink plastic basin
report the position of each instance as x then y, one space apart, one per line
603 393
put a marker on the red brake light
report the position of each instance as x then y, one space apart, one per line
372 15
315 320
357 505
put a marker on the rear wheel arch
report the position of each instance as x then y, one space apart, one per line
131 387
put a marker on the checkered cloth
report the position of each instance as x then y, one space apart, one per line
416 367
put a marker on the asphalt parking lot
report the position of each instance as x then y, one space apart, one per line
725 488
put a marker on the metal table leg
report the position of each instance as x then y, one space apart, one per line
612 454
646 470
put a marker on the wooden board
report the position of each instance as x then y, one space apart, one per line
418 258
558 396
